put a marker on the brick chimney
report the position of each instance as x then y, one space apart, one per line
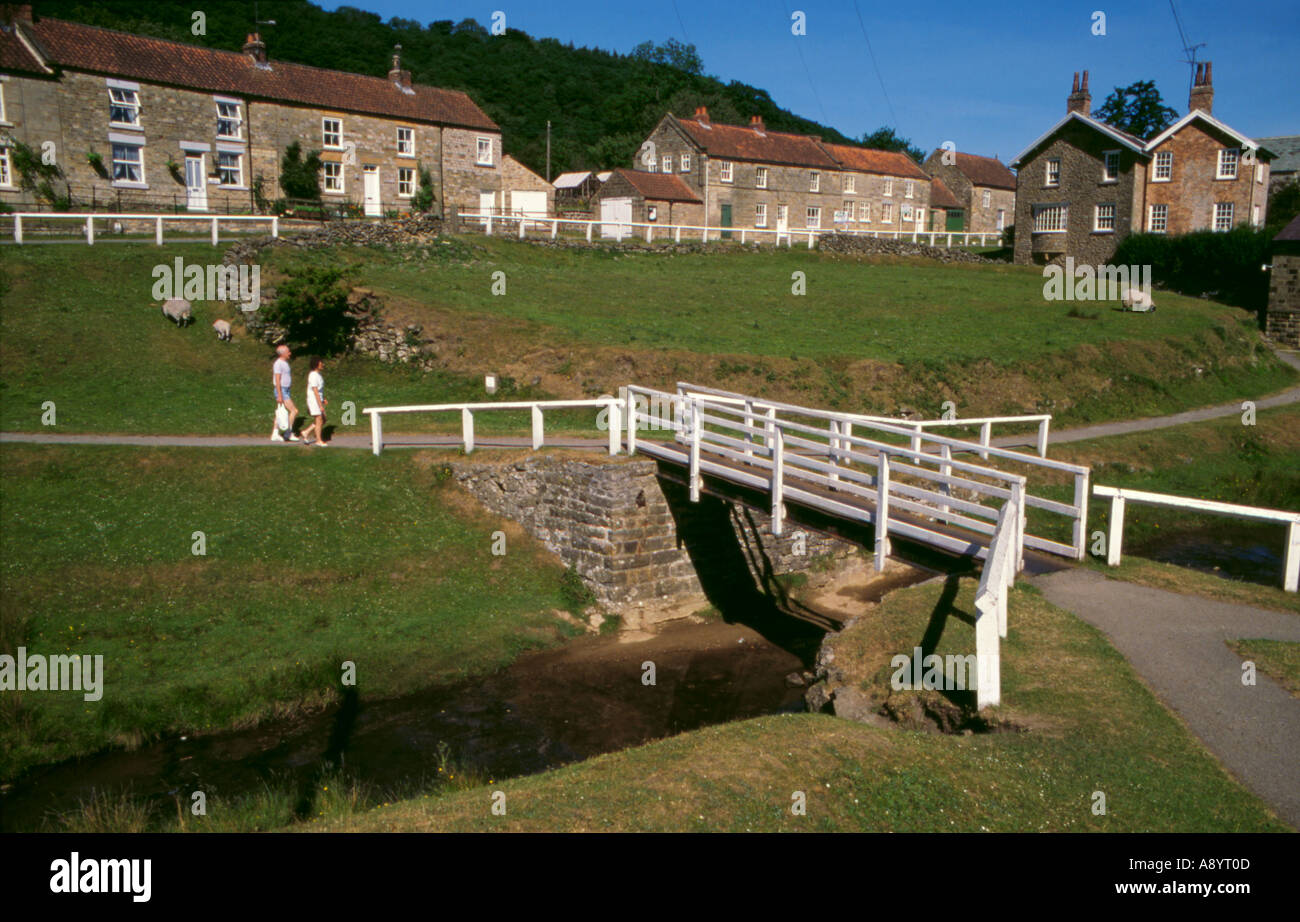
11 13
401 77
1202 94
702 114
756 122
255 48
1079 100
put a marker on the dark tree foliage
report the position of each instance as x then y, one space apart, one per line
1137 109
1224 266
887 139
300 176
601 105
312 306
1283 206
422 200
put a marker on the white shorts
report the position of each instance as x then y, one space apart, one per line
312 406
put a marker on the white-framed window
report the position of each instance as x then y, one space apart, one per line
909 188
760 215
685 163
1228 158
128 163
1223 215
230 121
1164 168
814 181
331 132
1158 219
1104 218
850 185
987 199
782 215
760 178
889 186
887 213
405 181
406 142
6 170
724 171
814 216
1053 177
667 163
864 212
652 212
332 177
847 210
124 107
652 166
1259 167
1051 219
1110 166
483 156
230 168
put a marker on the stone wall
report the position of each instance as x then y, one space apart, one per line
845 243
1283 321
627 533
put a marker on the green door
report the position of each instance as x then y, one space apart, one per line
956 220
726 221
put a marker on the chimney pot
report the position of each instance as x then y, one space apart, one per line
702 114
1079 100
255 48
756 122
1202 94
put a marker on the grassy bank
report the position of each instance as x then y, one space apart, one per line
1277 659
312 559
869 335
1088 724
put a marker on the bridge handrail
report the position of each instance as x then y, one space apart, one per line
1119 496
467 411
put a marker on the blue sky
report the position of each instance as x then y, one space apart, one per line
989 76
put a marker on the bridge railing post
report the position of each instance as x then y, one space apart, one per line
539 429
882 510
615 426
986 435
770 427
467 429
376 434
1115 535
1080 534
631 419
777 446
695 450
749 425
1043 425
833 454
945 472
988 687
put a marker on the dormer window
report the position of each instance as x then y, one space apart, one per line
332 132
1228 158
124 107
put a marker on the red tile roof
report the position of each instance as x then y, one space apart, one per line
14 55
663 187
104 51
941 196
986 171
736 142
885 162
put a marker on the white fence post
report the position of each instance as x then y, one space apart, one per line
522 222
590 225
275 226
695 450
18 228
555 229
539 429
834 453
1081 521
882 510
376 434
467 429
986 434
631 419
846 432
1291 579
214 231
778 481
1115 538
157 231
677 234
988 687
749 424
945 471
770 427
916 437
1042 435
90 230
615 426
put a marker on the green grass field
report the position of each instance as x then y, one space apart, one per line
313 558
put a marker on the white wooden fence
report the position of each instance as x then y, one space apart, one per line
89 219
996 581
1119 497
842 425
467 411
655 230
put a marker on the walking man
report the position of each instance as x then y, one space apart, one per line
281 378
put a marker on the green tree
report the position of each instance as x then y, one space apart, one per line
312 306
422 200
300 176
1283 206
884 138
1137 109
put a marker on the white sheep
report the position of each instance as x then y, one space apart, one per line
178 310
1135 299
223 329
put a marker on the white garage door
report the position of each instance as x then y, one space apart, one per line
613 210
528 204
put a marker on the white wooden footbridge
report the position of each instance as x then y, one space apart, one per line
904 479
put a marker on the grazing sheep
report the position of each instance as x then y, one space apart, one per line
178 310
223 329
1135 299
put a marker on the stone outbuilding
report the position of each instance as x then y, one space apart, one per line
653 198
983 186
1283 321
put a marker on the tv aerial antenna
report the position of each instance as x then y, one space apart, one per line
1189 50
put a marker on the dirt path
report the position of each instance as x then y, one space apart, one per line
1177 644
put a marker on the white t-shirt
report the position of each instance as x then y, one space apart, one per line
315 382
281 368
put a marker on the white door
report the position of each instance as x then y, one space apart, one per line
528 204
782 218
613 212
196 183
487 203
372 203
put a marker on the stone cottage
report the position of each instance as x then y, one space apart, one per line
984 188
143 124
